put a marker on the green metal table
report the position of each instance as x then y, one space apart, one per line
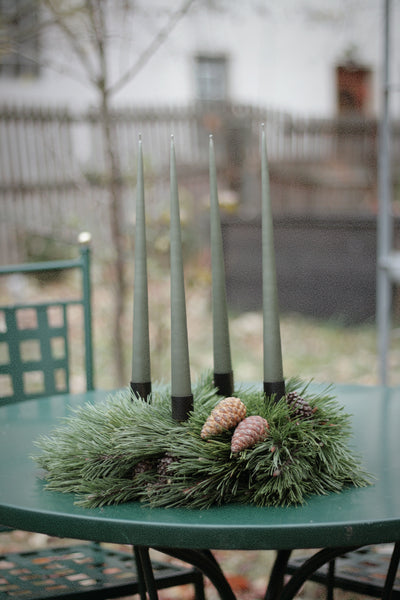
335 523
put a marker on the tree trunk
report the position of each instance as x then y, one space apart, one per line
116 221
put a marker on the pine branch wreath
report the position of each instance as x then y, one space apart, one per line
125 450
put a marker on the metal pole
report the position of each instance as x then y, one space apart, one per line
384 225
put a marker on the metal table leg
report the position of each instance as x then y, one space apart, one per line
140 574
391 574
330 580
275 584
146 571
205 561
310 566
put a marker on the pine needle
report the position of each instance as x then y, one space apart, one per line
126 449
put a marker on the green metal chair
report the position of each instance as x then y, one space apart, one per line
35 350
82 570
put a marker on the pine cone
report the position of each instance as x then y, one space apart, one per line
143 466
226 415
299 408
250 431
163 464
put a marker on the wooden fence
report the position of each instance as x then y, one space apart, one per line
53 170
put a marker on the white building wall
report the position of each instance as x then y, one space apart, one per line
282 55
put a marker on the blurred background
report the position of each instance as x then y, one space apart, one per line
79 81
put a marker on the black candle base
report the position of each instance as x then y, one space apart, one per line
224 383
181 407
274 387
141 389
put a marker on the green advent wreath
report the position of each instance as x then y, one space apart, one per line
128 449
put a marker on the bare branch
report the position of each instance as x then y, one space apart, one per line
96 16
78 48
157 41
65 69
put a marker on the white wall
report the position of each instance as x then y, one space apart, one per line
285 56
282 55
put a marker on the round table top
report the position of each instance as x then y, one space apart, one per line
356 516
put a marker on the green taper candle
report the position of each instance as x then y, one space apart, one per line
223 375
181 393
141 380
273 373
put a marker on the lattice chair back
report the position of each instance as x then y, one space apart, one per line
35 337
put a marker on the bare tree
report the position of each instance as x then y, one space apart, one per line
84 29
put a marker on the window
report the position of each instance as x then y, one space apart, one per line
211 78
19 38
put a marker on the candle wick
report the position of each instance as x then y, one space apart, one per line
211 136
140 137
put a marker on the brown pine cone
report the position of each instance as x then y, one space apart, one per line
299 408
143 466
164 462
226 415
250 431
